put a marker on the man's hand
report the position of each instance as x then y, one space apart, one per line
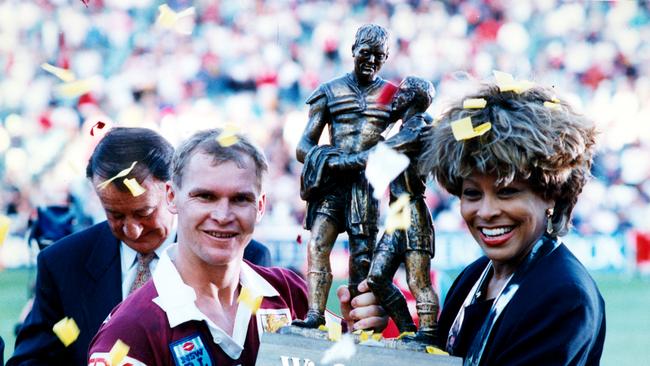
363 312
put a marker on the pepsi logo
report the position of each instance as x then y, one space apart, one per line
188 346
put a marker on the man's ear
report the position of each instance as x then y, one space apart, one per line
261 207
170 195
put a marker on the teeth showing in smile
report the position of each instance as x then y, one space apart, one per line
496 231
220 235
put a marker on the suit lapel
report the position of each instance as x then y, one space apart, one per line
104 285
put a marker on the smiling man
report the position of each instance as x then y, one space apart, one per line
339 197
84 275
191 309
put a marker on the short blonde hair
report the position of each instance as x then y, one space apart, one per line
549 147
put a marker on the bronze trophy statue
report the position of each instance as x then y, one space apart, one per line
340 199
414 246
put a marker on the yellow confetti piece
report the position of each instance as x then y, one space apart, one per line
227 138
322 328
121 174
334 332
63 74
133 186
552 105
67 330
463 129
436 351
474 103
507 82
399 214
76 88
406 334
358 332
377 337
4 228
246 298
181 22
555 100
118 352
365 335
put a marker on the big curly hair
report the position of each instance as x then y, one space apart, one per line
549 147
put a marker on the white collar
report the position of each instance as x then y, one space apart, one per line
128 254
177 300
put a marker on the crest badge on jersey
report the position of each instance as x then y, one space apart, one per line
190 351
270 320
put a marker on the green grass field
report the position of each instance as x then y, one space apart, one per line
627 300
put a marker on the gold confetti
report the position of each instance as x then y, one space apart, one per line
399 214
63 74
334 332
246 297
133 186
76 88
436 351
358 332
365 335
474 103
67 330
406 334
181 22
507 82
227 138
555 100
463 129
118 352
322 328
4 228
377 337
552 105
121 174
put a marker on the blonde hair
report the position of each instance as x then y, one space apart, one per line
549 147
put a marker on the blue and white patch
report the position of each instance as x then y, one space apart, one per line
190 351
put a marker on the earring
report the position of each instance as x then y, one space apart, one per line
549 220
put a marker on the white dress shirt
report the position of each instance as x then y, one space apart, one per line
129 259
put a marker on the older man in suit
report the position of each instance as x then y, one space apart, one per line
84 275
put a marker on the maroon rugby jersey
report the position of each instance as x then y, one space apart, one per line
144 326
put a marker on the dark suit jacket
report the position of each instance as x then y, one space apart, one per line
79 277
557 317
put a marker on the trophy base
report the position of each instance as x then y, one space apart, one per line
294 346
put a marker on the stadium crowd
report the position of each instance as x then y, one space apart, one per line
252 64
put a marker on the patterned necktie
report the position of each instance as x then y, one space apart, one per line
143 273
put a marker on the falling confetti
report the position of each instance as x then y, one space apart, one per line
399 214
121 174
246 298
63 74
341 350
118 352
436 351
4 228
474 103
463 129
67 330
181 22
77 88
384 165
334 331
99 125
133 186
507 82
552 105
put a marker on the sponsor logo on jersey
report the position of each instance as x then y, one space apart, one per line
190 351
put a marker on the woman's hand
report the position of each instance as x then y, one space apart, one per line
363 312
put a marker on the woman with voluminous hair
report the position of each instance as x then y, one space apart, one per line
528 301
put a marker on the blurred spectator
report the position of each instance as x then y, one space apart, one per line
252 64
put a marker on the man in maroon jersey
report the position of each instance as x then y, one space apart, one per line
189 312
